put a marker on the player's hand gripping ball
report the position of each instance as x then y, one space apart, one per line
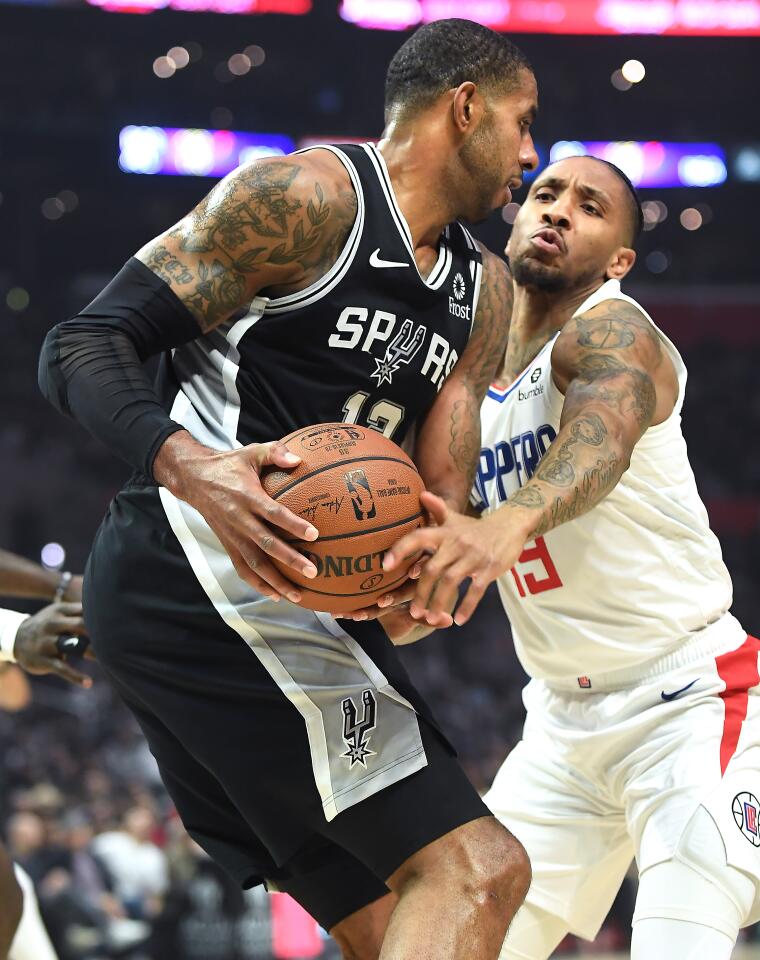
362 492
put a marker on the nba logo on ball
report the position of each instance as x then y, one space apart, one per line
361 494
745 809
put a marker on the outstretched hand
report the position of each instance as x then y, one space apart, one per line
461 547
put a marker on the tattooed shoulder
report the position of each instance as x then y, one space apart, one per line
613 325
274 224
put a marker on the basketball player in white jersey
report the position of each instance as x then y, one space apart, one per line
643 729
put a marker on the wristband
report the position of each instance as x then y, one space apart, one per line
10 621
63 586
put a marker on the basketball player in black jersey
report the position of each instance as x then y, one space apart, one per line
333 284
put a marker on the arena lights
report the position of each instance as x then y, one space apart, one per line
53 556
17 299
747 163
199 153
674 17
691 218
633 71
509 213
199 6
654 163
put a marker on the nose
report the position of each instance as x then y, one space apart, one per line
528 155
556 215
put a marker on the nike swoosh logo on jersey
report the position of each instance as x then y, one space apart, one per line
676 693
375 261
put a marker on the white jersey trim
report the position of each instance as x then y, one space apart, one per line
321 287
500 394
443 264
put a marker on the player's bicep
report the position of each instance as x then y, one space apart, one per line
272 223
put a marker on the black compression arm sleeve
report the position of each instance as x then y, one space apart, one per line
91 366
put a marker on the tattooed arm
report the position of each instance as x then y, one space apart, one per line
275 225
448 467
618 381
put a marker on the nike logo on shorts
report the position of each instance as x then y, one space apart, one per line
677 693
375 261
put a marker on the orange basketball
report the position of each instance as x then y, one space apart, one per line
362 492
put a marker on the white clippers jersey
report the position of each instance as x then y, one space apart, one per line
629 581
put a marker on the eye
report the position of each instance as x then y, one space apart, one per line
544 195
525 125
590 208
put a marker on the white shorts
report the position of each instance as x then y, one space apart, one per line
601 777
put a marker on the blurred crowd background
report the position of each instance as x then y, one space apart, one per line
94 94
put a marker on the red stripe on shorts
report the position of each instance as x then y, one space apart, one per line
738 670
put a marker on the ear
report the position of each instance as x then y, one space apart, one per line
467 107
621 263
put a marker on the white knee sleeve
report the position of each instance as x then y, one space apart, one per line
697 886
31 941
533 935
656 939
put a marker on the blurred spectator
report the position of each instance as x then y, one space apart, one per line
138 867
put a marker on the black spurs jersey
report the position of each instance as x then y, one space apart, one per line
371 342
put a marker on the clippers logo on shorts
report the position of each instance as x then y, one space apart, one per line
746 809
361 494
584 683
402 349
355 732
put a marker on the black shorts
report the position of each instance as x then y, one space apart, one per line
294 752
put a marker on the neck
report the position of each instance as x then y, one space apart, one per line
417 175
535 310
537 316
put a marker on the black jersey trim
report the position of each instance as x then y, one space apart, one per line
318 289
476 269
443 264
329 466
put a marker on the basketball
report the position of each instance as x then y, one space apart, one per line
362 492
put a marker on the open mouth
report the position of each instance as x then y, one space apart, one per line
549 240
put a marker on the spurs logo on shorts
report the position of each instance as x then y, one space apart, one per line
746 810
355 732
